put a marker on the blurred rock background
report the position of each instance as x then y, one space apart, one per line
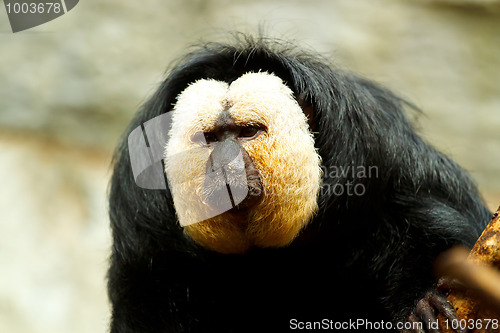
69 87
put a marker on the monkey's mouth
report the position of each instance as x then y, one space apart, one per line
235 193
255 191
251 200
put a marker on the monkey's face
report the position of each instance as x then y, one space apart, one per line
241 163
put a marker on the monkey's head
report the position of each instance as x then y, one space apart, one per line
243 168
241 163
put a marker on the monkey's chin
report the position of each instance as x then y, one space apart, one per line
219 236
241 229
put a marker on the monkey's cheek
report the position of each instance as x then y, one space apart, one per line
187 203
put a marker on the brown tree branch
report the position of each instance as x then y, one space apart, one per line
478 302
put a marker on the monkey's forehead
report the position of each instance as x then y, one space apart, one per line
252 98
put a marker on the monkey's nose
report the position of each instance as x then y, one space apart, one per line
225 157
225 184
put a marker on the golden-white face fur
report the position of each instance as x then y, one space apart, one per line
284 156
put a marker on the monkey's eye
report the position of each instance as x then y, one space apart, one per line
249 132
210 137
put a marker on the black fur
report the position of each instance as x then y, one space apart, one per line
364 256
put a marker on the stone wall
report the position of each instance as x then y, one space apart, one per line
69 88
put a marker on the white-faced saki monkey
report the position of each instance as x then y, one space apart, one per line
279 193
